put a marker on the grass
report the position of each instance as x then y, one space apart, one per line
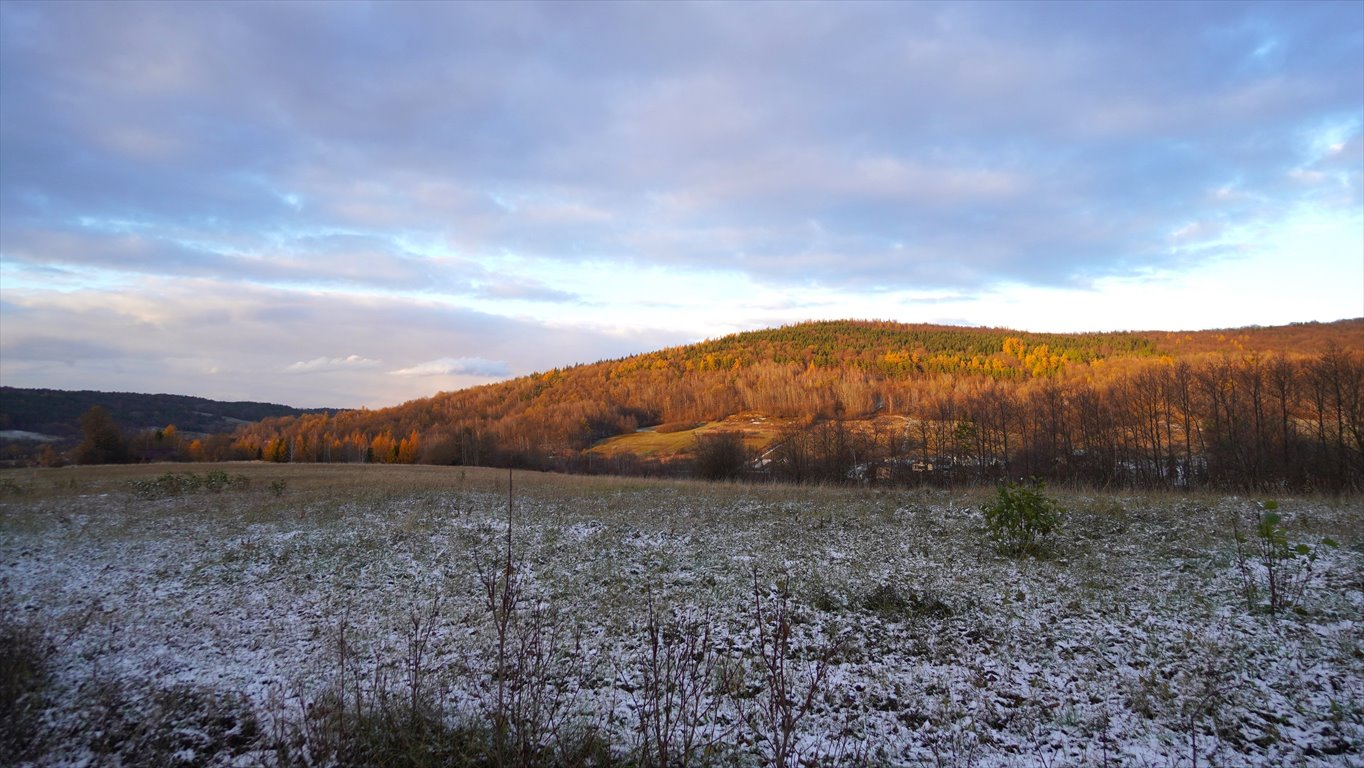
25 681
831 625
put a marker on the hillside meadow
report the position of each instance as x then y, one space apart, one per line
272 614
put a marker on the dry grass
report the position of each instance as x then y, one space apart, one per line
760 433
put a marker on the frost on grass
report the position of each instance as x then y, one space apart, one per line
842 627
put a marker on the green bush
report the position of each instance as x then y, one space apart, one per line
1272 566
1021 517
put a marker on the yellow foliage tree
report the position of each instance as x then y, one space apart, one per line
408 448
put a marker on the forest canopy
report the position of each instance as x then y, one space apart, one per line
880 401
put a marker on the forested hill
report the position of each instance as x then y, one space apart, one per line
977 390
57 413
900 349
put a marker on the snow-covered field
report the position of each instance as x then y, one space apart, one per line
1130 644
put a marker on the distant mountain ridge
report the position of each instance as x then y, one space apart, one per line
56 412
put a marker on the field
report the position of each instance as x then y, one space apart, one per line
759 433
259 614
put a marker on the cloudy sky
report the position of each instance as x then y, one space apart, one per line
358 204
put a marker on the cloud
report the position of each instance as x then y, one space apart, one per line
162 336
941 126
525 290
350 362
57 349
300 259
422 177
457 366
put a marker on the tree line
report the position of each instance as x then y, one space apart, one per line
884 402
1248 421
1252 422
57 413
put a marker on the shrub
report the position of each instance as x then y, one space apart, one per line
792 677
1270 564
218 481
172 484
169 484
671 688
1021 517
720 456
369 719
529 701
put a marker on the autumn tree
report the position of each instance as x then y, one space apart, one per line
720 456
409 448
792 459
103 441
383 448
1129 409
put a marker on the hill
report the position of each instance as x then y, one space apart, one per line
56 413
1246 406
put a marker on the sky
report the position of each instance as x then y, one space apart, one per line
356 204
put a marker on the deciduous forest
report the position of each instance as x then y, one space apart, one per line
1251 408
